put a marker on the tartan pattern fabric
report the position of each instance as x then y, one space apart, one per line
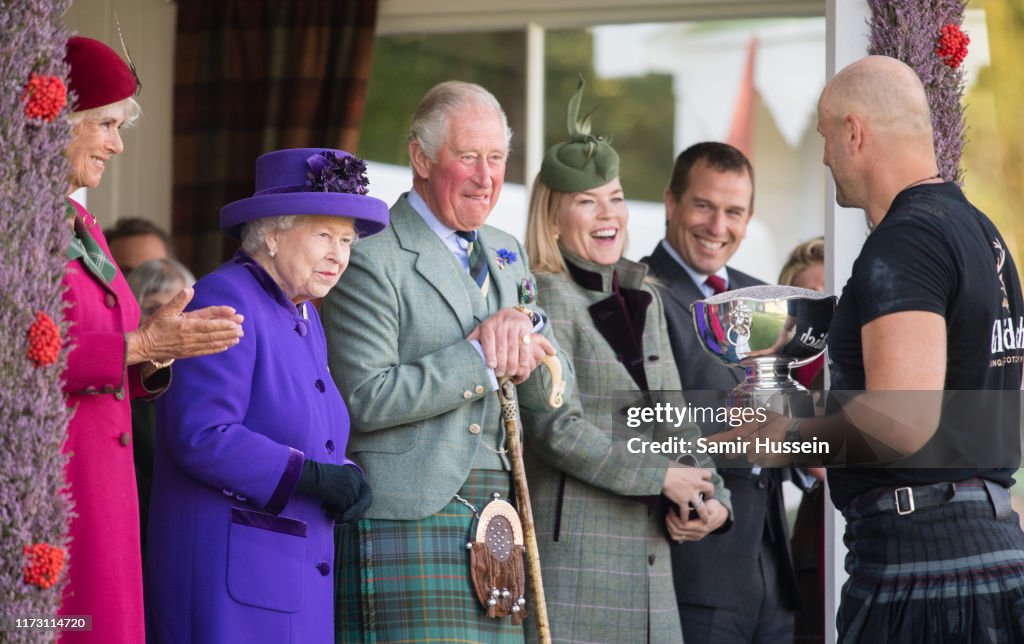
252 76
604 552
84 247
408 581
477 262
944 574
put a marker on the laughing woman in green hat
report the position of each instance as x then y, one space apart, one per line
602 512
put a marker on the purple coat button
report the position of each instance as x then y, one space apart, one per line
320 385
324 568
300 328
330 446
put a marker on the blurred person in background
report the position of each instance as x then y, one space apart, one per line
154 283
805 268
134 240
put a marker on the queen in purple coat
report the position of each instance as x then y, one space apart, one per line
250 474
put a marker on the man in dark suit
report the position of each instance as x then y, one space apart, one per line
737 586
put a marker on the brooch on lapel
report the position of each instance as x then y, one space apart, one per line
527 291
505 257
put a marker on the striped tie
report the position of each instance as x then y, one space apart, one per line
477 261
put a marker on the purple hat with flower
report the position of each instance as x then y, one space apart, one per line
308 181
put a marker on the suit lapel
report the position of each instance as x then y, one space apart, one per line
501 278
679 291
434 262
679 285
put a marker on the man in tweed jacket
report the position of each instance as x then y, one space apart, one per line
417 333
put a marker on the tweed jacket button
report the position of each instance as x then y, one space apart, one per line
126 439
324 568
651 559
479 389
467 394
330 446
108 389
110 300
119 394
89 390
474 429
320 385
762 484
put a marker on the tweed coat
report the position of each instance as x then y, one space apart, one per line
417 391
708 572
422 408
600 526
233 553
105 565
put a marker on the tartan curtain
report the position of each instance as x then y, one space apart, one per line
253 76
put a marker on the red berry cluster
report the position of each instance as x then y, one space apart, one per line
952 45
44 564
46 97
43 340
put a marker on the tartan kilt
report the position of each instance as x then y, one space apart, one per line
946 574
408 581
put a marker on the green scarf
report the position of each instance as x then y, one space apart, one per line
85 247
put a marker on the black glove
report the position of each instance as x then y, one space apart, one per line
359 508
338 486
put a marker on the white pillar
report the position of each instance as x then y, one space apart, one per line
534 136
846 40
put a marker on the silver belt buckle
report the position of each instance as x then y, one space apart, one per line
909 491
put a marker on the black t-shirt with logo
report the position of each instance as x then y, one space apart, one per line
934 251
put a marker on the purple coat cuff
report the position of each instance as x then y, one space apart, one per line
289 480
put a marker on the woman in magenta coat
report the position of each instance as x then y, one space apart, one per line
111 361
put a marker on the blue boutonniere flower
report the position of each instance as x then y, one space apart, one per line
505 257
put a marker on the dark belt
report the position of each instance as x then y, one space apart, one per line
911 498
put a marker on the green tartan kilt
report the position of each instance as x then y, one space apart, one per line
408 581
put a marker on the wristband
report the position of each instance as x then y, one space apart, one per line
161 364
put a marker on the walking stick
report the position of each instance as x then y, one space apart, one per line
513 432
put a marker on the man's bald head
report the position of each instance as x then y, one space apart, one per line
885 92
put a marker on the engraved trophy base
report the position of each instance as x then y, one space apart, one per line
769 385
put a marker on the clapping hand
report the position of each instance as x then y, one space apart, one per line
172 333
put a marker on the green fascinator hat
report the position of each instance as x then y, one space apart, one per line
584 161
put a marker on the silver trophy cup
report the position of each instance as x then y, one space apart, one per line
766 330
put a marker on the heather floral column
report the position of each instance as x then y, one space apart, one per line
33 242
926 35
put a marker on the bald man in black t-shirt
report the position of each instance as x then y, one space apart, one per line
933 305
925 356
